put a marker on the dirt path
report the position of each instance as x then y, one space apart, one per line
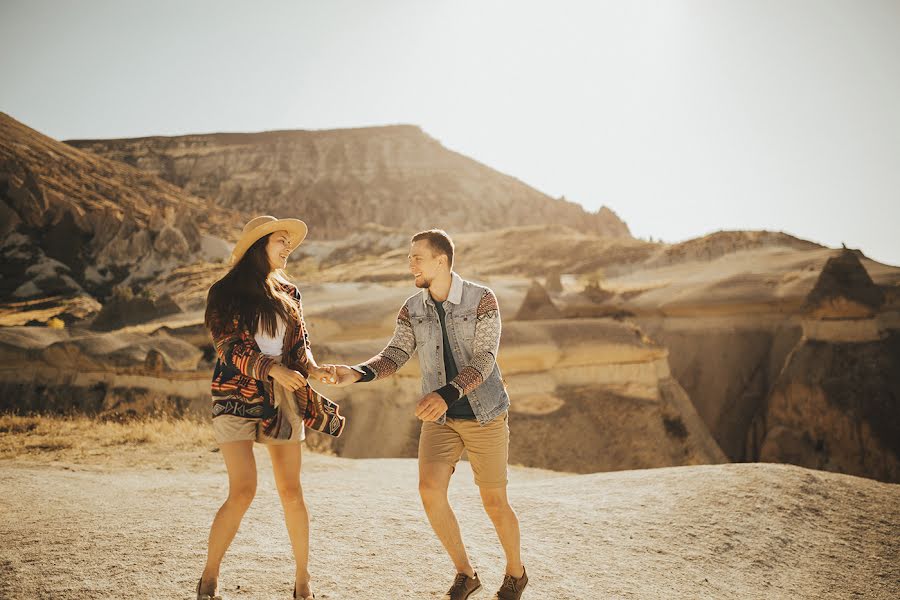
129 529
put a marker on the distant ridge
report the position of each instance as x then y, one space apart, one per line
394 175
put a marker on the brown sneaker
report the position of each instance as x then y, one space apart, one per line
463 587
512 587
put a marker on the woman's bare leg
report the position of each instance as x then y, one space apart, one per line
286 461
241 467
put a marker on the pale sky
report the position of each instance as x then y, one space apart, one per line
684 117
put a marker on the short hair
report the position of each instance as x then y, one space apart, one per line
439 240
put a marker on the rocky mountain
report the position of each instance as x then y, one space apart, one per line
338 180
76 224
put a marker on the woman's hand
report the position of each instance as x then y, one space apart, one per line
323 373
289 378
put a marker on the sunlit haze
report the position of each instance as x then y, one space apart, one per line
683 117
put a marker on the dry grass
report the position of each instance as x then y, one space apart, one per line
82 439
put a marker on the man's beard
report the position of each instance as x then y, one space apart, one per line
425 284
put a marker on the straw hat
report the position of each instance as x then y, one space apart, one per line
262 226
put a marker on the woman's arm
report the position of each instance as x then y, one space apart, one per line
236 347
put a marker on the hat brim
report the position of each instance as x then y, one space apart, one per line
295 227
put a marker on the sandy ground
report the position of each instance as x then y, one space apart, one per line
129 518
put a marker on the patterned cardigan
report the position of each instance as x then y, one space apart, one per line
240 383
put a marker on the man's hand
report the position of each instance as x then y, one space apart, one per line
339 375
431 407
289 378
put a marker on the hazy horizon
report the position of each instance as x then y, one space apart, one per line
684 118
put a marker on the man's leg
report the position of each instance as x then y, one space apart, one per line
488 448
439 449
505 521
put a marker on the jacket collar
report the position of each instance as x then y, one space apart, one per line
455 295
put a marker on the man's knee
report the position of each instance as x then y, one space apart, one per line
433 483
495 502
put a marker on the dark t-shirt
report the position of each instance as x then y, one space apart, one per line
461 409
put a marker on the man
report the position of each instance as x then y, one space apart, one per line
455 326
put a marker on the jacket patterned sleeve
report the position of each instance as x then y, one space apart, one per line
397 352
236 347
484 347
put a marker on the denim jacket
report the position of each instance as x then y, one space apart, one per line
473 329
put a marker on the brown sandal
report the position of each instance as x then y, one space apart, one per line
313 597
206 596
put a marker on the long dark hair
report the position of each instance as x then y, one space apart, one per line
251 291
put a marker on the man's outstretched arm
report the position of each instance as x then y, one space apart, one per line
388 361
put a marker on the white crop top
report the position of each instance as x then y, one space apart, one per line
268 345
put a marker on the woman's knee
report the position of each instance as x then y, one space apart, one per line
291 494
242 495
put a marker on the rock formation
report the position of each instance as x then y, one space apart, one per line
125 309
396 176
749 335
835 406
720 243
836 402
553 282
79 371
844 290
76 224
537 305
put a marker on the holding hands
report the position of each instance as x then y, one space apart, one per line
294 380
323 373
429 408
338 375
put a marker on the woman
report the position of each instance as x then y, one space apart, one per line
259 386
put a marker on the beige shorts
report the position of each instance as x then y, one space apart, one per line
488 447
230 428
